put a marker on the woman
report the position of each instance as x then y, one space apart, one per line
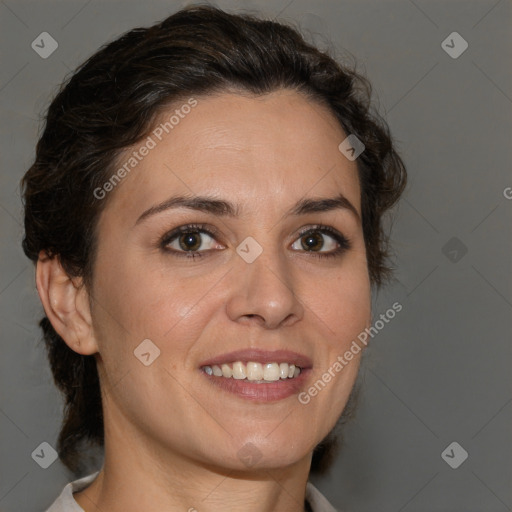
205 215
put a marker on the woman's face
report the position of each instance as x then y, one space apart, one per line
303 293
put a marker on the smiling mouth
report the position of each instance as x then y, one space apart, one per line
253 371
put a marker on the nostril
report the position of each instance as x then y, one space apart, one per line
256 318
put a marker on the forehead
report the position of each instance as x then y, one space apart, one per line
276 147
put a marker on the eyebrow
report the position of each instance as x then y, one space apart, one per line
224 208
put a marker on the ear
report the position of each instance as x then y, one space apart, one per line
66 304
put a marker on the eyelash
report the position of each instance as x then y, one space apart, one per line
169 237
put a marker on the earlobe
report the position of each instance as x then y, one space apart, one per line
65 303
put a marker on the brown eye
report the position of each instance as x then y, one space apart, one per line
312 242
190 241
321 237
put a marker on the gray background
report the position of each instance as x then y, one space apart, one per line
440 370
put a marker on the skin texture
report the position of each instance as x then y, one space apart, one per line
171 437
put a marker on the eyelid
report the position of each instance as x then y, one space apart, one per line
209 230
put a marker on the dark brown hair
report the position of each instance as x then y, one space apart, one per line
113 100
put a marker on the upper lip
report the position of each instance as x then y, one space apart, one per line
260 356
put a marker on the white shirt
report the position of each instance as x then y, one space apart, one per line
66 503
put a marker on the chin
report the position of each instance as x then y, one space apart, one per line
271 451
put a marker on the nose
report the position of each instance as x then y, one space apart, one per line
264 293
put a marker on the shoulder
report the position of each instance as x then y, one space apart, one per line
65 502
317 500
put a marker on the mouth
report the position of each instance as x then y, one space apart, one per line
258 375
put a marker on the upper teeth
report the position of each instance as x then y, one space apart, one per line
254 371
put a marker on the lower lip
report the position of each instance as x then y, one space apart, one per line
271 391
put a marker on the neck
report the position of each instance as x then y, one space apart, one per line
135 477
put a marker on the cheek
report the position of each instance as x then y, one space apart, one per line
141 303
343 306
343 302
